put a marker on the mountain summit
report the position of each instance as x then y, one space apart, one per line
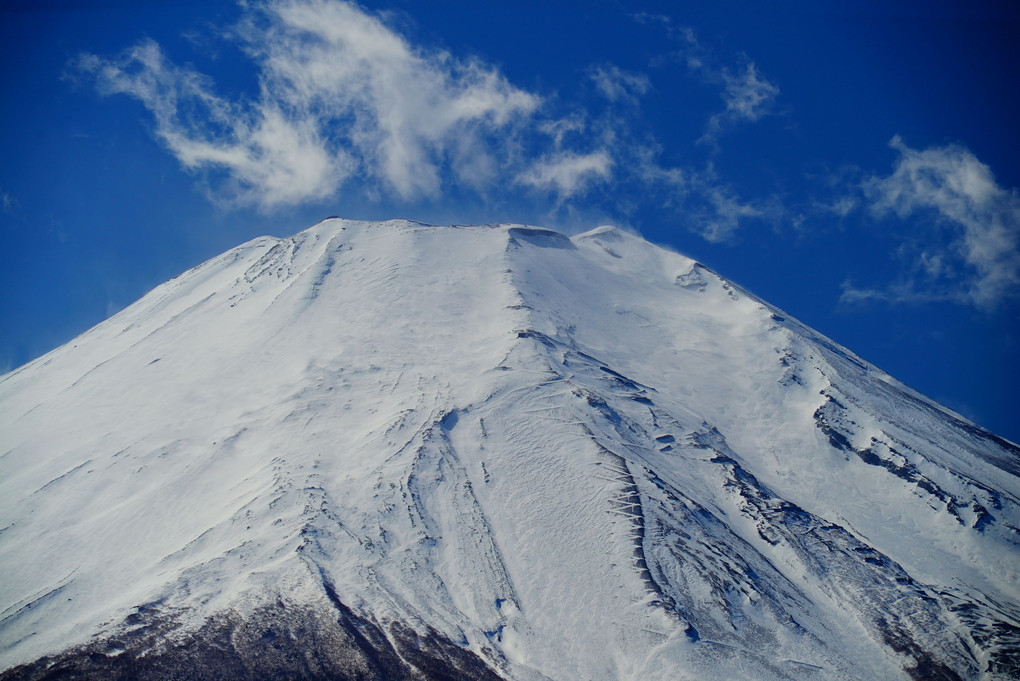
398 451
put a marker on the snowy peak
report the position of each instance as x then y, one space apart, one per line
490 452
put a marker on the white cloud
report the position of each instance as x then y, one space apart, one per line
969 241
273 159
618 85
748 97
341 95
567 173
560 128
344 102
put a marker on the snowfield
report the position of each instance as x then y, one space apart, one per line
393 450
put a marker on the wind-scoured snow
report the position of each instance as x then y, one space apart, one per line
515 453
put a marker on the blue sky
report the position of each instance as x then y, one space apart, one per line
853 163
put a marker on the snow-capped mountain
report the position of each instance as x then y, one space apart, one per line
391 450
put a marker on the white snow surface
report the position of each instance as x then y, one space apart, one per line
580 458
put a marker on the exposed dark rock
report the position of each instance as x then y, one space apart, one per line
275 643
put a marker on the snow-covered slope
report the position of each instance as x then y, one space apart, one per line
391 450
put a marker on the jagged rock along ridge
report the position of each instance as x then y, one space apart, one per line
392 450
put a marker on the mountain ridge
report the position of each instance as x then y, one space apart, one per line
445 439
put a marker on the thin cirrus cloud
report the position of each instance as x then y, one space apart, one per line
568 173
724 211
8 203
341 96
968 246
748 97
619 85
710 206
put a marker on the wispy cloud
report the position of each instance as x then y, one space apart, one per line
341 96
748 97
707 204
966 247
726 212
618 85
8 203
841 206
560 128
346 103
705 201
567 173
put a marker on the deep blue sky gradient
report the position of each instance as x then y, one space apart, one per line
96 211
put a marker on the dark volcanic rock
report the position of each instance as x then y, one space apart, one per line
275 643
